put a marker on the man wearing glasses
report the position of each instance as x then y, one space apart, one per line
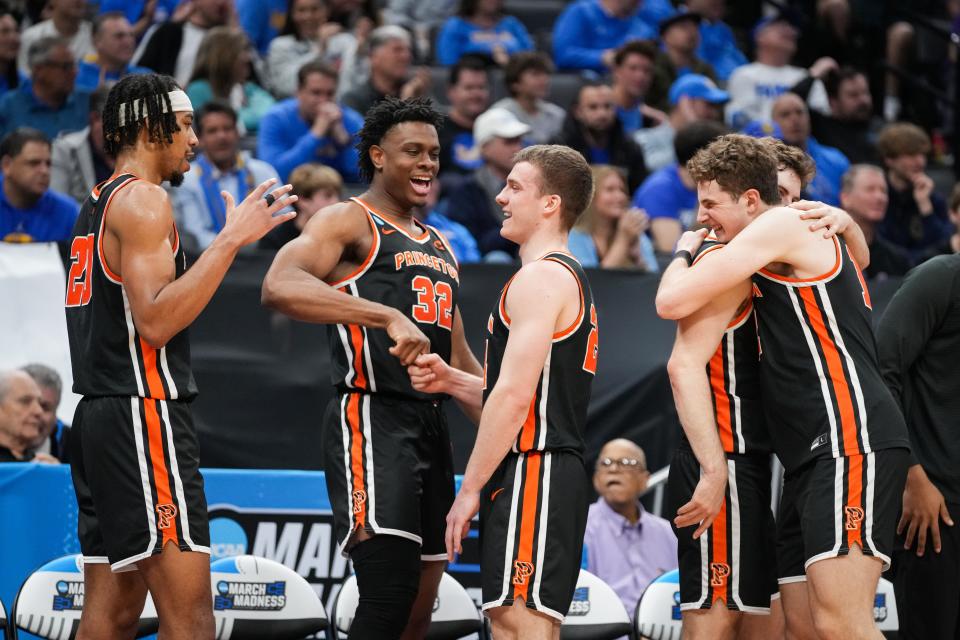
626 546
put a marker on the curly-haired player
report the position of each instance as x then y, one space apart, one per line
129 300
387 288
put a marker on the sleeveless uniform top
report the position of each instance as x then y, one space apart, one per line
734 374
558 411
109 357
416 274
822 389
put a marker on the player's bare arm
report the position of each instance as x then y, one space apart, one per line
776 236
697 338
138 246
462 379
332 246
536 313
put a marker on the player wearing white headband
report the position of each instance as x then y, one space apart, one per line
130 298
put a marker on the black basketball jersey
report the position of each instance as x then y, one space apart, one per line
109 356
822 390
558 412
416 274
734 374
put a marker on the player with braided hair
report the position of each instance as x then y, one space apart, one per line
130 298
387 287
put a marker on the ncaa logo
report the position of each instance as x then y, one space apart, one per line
165 515
854 517
359 498
718 573
227 538
521 572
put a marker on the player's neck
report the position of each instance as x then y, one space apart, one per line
541 243
381 200
139 165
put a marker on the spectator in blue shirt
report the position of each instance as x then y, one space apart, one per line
10 75
29 211
220 166
588 32
142 14
115 42
669 195
481 28
717 43
791 115
633 66
462 242
311 127
49 102
262 20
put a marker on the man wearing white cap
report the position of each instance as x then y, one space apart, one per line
142 518
498 134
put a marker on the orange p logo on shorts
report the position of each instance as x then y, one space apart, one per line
165 515
521 572
718 573
854 518
359 498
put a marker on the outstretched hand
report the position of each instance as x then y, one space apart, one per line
254 218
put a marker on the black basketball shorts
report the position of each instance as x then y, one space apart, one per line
832 504
533 512
389 469
734 561
135 465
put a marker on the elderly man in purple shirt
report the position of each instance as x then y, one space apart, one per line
626 546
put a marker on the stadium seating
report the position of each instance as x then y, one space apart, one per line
50 601
658 612
454 614
255 598
596 612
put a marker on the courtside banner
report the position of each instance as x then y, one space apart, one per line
283 516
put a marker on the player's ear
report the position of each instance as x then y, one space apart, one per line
552 204
376 156
752 197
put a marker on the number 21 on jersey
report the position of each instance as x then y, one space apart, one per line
79 286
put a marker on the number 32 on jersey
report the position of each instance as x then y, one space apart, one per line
434 302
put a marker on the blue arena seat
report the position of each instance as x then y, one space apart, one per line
596 612
50 601
255 598
658 612
455 614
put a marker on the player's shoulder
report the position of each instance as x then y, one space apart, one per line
140 200
540 279
343 219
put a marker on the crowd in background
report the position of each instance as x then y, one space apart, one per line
637 86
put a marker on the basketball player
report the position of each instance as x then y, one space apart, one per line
832 422
526 473
129 301
387 287
716 349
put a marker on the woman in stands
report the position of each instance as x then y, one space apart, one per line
609 234
481 27
222 71
307 34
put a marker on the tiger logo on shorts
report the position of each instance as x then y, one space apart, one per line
854 517
359 498
165 515
521 572
718 573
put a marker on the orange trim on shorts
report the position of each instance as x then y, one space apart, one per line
161 477
853 521
154 385
721 399
359 495
528 524
838 379
720 559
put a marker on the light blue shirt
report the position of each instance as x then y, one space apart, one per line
582 246
190 200
663 195
21 108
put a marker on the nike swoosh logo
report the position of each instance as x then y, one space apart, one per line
387 232
493 496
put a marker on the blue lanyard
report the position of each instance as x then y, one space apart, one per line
211 189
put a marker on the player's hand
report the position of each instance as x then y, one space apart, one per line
429 374
253 218
45 458
831 219
461 513
705 503
416 86
632 223
691 240
409 341
923 507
